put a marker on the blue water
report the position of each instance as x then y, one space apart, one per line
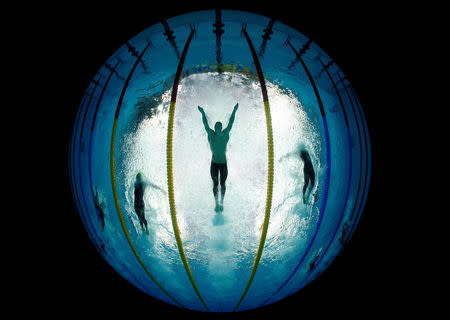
302 239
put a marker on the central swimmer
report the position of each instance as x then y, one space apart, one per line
218 140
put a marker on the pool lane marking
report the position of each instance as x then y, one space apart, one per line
112 70
357 122
113 179
347 192
357 200
169 158
72 143
218 31
266 36
367 175
360 202
170 37
270 170
72 157
328 165
80 194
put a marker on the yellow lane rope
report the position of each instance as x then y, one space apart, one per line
268 201
170 184
122 221
172 201
113 178
270 157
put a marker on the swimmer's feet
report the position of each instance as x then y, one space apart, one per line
217 209
221 208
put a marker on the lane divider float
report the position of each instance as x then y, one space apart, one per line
114 185
270 165
169 159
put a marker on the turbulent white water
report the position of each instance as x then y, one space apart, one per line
221 241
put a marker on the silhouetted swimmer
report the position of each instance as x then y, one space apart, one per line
98 207
308 173
218 140
312 265
139 205
343 233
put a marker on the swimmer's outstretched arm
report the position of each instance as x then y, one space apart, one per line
287 155
231 121
96 197
131 192
156 187
205 121
147 182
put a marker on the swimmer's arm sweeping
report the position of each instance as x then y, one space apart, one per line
287 155
205 121
97 197
231 121
156 187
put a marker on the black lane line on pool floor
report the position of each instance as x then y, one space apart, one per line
328 160
113 177
270 170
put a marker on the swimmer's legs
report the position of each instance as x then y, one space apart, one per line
144 229
222 195
140 211
308 173
215 177
305 187
101 216
216 195
223 178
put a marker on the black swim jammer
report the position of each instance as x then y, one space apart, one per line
217 168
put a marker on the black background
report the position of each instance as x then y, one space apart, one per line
70 42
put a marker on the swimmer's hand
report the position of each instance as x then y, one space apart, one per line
236 106
200 109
